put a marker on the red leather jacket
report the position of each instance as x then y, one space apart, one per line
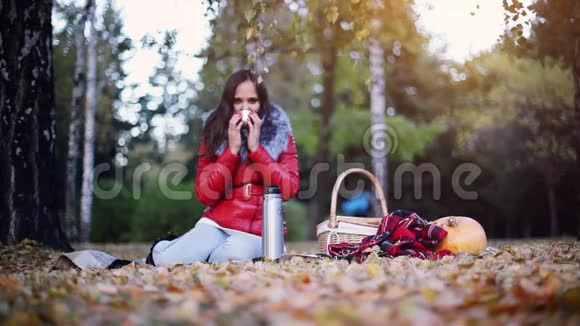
233 190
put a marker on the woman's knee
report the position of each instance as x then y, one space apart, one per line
236 248
195 245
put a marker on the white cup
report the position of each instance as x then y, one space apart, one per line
245 115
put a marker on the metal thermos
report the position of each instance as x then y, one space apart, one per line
272 224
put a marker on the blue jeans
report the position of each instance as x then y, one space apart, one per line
207 243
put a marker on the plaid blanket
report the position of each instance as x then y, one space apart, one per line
401 233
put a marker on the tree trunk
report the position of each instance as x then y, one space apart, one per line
322 193
74 126
508 228
577 102
252 50
89 141
378 123
528 229
552 209
27 134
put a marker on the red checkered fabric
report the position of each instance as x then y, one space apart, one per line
401 233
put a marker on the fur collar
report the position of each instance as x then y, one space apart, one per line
273 134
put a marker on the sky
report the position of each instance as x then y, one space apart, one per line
452 25
147 16
463 28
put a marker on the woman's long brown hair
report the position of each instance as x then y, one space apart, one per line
215 130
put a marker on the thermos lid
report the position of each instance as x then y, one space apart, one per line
272 190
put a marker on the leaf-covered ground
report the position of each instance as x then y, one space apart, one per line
536 282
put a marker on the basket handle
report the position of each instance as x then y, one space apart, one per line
333 221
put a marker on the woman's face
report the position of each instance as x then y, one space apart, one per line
246 97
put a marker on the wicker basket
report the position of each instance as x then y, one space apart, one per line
339 229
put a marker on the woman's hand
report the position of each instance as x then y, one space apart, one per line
254 125
234 136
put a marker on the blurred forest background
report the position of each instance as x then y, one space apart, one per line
508 111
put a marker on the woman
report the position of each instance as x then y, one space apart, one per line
240 152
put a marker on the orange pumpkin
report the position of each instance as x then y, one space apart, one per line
464 234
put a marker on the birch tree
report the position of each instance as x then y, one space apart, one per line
378 122
89 139
75 122
577 90
27 135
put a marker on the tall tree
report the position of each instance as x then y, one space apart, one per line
75 122
89 139
529 101
325 21
554 28
27 125
555 33
378 101
167 111
328 58
112 45
577 90
112 50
